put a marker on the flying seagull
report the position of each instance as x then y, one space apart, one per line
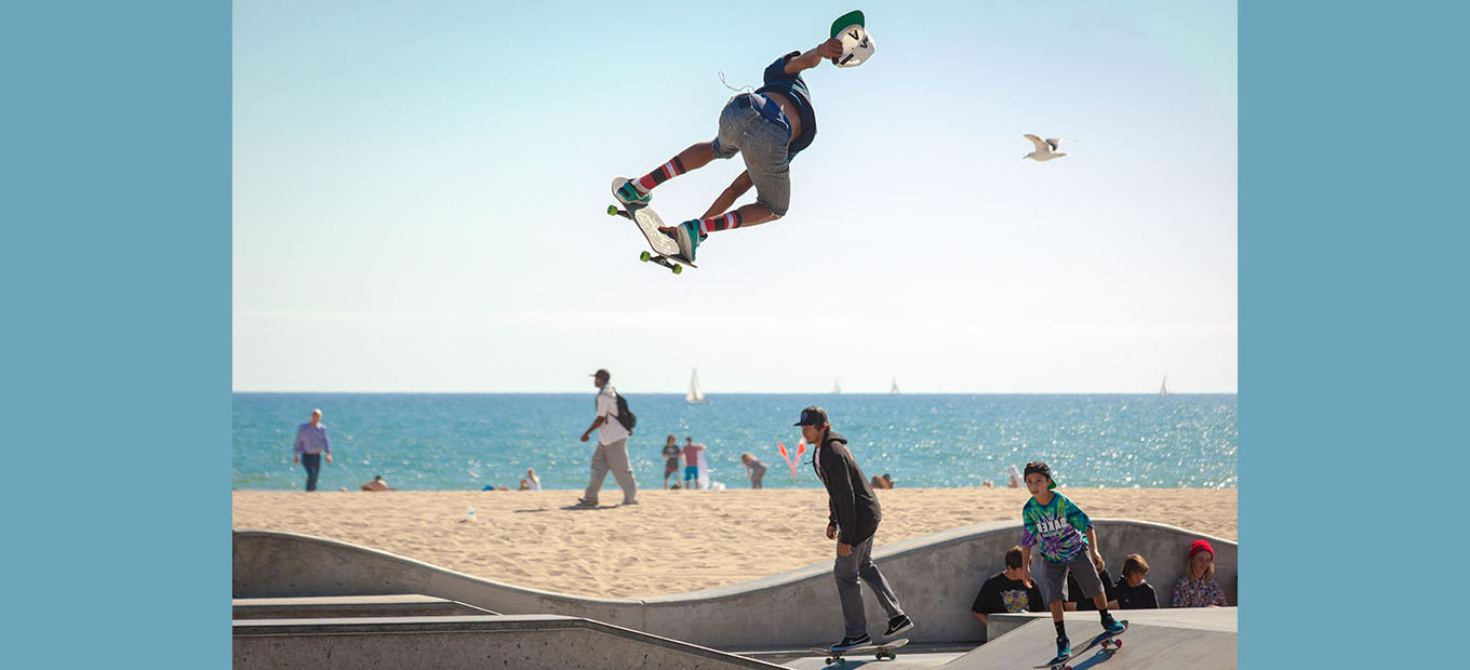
1045 150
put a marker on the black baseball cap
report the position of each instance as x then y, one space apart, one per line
1043 469
812 416
602 372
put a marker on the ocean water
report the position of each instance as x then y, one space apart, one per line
466 441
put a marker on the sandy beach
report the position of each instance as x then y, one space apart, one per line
674 541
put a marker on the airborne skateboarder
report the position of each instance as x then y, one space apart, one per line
768 128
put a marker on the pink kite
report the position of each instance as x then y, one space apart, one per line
784 455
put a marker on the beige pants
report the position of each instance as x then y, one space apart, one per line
612 457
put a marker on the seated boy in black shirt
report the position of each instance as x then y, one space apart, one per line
1008 591
1131 591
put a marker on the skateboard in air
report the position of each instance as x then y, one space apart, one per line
1109 642
665 249
879 651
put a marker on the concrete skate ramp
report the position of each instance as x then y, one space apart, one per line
346 607
935 576
1170 639
464 643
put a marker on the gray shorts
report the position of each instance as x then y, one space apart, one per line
1054 577
763 140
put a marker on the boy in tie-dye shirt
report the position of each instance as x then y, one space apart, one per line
1068 543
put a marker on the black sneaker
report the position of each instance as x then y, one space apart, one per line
898 624
851 643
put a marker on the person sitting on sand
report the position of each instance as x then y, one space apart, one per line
1197 586
377 484
533 483
887 481
1131 591
877 483
754 469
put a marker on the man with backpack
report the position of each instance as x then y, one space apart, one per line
614 424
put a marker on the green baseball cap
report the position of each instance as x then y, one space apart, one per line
852 18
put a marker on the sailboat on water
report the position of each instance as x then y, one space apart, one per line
893 390
1164 387
695 396
836 388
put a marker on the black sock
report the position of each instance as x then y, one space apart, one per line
1107 617
1061 630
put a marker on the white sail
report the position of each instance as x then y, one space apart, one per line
894 388
1164 387
836 388
695 396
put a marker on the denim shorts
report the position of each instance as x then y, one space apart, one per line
762 138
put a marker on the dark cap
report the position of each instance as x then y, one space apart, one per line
602 372
1040 468
812 416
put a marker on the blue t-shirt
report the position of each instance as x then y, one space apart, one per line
794 88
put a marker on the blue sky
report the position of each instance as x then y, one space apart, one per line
419 188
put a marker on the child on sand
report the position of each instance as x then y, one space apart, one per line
1058 525
754 469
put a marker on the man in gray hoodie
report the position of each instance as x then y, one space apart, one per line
853 516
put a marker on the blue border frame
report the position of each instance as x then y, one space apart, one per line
116 276
115 198
1352 330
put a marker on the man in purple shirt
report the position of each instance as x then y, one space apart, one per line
311 443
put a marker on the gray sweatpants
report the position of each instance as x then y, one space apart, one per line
847 569
612 457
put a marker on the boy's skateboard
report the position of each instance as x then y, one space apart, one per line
1109 641
665 249
877 650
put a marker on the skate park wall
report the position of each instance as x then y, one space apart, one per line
464 643
936 578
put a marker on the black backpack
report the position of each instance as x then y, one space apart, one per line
625 416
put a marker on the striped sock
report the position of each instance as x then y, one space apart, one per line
672 168
726 221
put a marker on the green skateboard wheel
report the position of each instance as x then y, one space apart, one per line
644 257
678 269
612 210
